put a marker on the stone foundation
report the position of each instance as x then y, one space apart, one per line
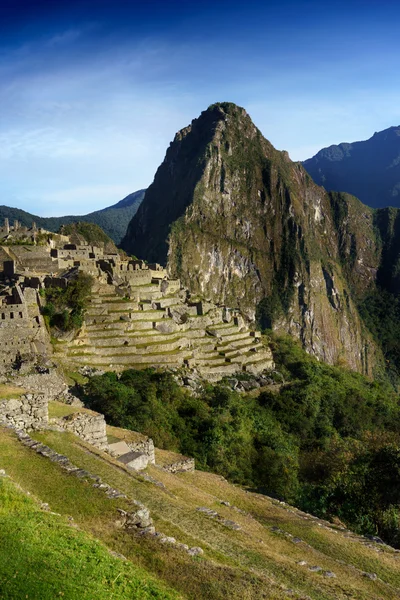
181 466
91 428
28 412
145 446
50 385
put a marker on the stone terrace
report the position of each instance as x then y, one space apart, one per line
158 326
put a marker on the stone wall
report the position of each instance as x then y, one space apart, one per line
90 427
28 412
22 329
184 465
146 446
50 385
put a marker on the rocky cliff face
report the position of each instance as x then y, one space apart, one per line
249 228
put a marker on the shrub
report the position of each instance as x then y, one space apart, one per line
65 308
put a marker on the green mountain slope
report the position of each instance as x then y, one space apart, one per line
369 169
113 219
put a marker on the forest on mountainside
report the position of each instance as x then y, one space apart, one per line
113 220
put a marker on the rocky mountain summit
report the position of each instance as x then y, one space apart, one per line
369 169
241 224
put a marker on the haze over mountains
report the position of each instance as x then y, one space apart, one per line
113 219
369 169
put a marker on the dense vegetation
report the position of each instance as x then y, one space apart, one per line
380 311
328 440
64 308
90 233
113 220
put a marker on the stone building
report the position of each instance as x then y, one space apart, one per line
23 334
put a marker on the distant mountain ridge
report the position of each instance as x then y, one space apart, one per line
368 169
113 219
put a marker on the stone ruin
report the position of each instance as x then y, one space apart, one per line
153 322
88 425
17 232
138 317
23 334
30 411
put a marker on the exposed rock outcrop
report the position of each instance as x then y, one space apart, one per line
250 229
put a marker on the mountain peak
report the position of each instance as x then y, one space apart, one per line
226 108
369 169
242 225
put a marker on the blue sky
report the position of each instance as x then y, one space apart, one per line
92 92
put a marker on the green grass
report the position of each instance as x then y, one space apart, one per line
58 410
10 391
42 557
250 564
74 377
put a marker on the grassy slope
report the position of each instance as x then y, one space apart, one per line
9 391
252 563
42 557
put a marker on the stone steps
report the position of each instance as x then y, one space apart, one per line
247 356
258 366
203 346
120 334
132 339
223 332
118 326
113 297
112 307
255 357
103 290
89 350
242 347
207 354
235 353
101 333
166 346
149 359
217 372
236 337
96 310
126 350
116 366
126 326
209 362
147 315
168 302
127 317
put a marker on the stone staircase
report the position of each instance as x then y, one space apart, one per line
156 329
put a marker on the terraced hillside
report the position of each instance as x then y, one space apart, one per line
253 547
163 328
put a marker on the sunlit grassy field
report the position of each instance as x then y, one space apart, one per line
251 563
42 558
